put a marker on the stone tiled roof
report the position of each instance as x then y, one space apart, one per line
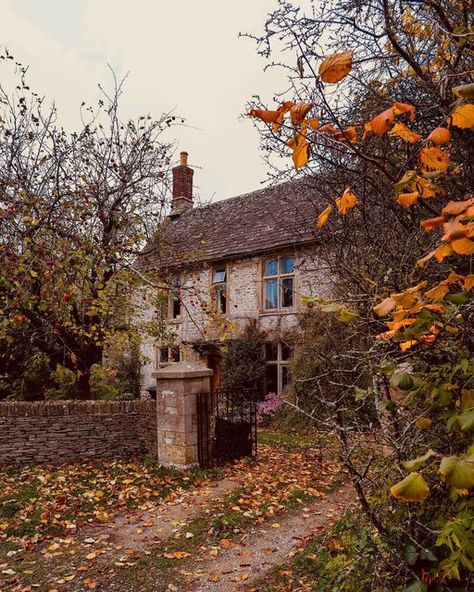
268 219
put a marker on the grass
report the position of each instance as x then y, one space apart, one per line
293 441
342 560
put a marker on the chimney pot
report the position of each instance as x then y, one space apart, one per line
182 187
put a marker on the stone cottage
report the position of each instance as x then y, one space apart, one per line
250 257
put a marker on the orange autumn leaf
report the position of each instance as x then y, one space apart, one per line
408 344
313 122
454 230
468 283
324 216
405 133
299 111
463 116
438 292
328 128
454 208
381 123
400 108
274 117
463 246
439 136
347 135
407 199
347 201
301 149
385 307
434 159
432 223
443 251
336 67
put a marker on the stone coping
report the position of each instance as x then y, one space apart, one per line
58 408
183 370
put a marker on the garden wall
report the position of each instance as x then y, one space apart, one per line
59 431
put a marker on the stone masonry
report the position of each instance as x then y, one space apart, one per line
63 431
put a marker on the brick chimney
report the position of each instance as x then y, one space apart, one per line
182 187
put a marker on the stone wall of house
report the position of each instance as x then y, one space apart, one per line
244 288
60 431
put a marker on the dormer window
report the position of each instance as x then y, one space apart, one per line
278 283
219 289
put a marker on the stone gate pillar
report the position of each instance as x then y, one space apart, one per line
177 386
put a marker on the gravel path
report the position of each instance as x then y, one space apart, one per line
138 530
261 548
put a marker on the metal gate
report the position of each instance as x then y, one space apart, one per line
227 425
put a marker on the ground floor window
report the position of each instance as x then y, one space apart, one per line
167 355
277 356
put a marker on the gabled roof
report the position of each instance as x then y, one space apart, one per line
268 219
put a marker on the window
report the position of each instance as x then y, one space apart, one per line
167 355
219 289
277 355
174 302
278 283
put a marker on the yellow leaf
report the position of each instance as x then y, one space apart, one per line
347 201
324 216
411 489
434 159
336 67
403 132
463 116
347 135
423 422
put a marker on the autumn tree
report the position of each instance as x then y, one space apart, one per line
75 209
378 110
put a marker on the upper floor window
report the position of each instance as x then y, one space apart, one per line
219 289
174 301
278 283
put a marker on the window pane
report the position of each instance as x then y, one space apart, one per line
174 354
271 378
285 377
271 351
287 292
221 300
287 265
219 276
164 355
271 294
271 267
285 351
176 312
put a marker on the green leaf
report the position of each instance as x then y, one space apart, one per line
347 316
410 554
466 421
417 463
402 381
456 472
459 298
411 489
416 586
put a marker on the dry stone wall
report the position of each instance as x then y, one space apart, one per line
63 431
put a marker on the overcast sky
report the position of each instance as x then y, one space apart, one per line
182 55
